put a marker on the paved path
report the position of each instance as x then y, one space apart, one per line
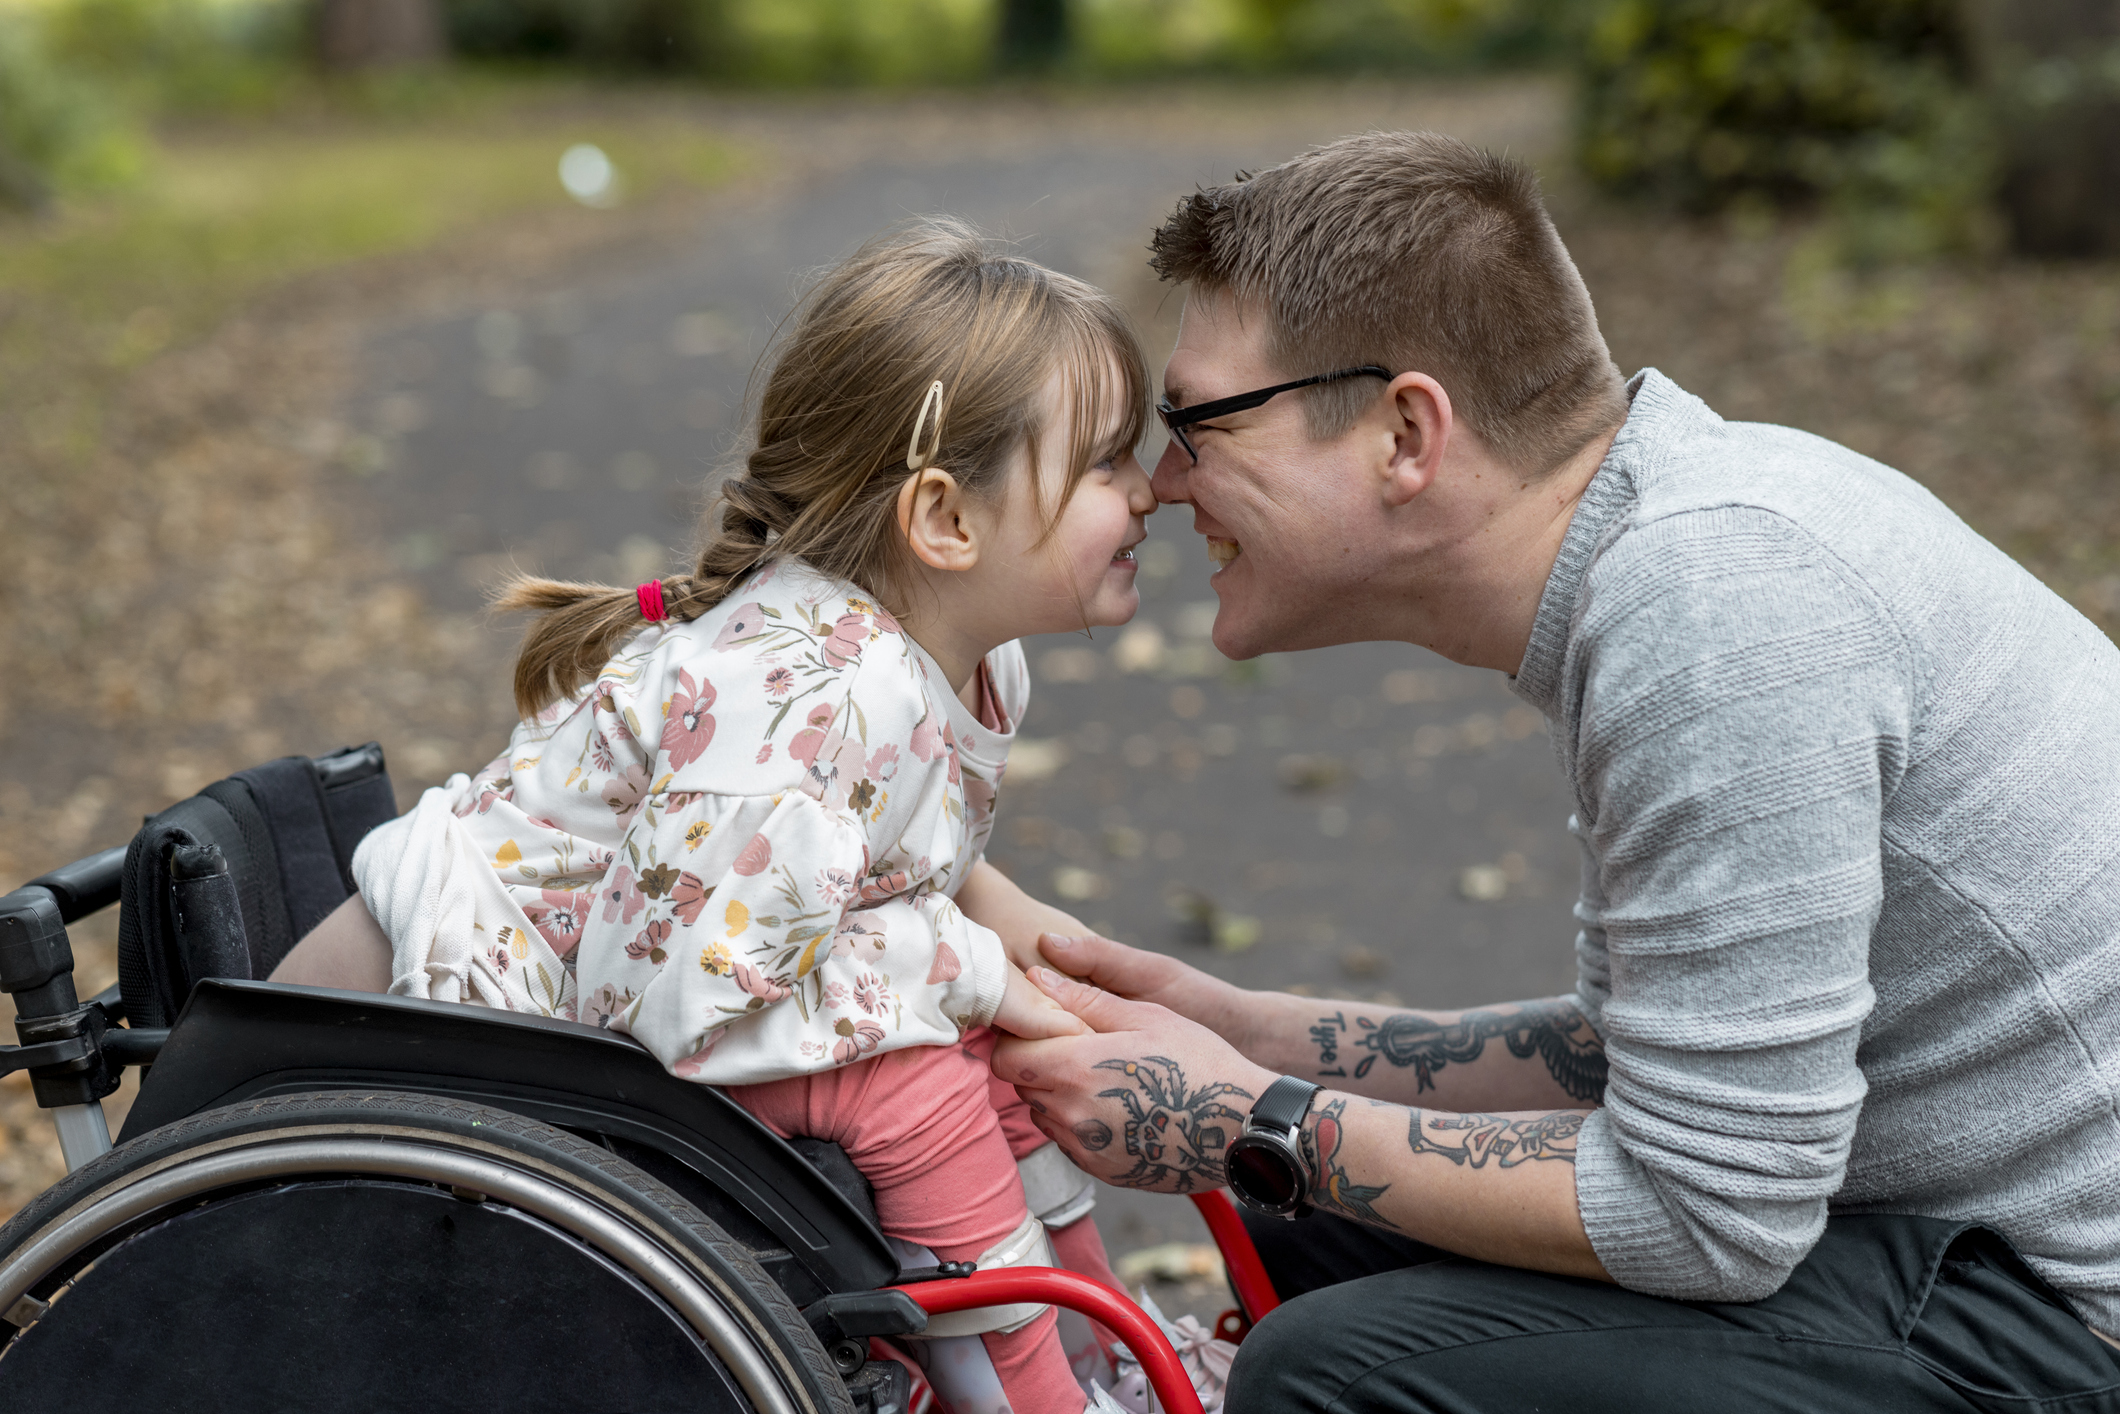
1368 821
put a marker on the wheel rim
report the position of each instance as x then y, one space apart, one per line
616 1238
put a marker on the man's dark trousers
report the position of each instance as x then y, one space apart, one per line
1888 1313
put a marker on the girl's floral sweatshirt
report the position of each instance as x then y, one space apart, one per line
739 844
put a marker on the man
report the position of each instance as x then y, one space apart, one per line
1846 1035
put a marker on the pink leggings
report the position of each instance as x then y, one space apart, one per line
938 1137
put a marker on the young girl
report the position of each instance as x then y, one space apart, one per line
742 818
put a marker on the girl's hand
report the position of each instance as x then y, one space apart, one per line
992 900
1028 1013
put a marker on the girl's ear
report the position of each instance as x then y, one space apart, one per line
935 518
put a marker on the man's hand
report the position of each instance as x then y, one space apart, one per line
1151 977
1149 1100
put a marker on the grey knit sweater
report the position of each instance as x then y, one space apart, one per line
1848 792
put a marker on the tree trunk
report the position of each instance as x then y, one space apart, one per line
374 34
2047 64
1032 34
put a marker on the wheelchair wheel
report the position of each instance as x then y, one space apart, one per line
354 1251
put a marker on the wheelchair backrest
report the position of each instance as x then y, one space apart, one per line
224 884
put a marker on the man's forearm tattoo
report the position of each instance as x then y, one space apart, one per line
1472 1140
1555 1031
1336 1190
1176 1136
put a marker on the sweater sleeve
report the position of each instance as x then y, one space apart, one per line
778 903
1744 713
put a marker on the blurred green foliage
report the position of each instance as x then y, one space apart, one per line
1863 108
809 42
56 132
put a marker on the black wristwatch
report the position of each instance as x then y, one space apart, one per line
1268 1170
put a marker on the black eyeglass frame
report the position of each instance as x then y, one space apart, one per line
1178 419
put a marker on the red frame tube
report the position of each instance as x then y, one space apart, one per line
1009 1286
1246 1272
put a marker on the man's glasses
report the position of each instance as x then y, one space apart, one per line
1178 419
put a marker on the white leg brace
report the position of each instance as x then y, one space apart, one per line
1057 1192
1027 1246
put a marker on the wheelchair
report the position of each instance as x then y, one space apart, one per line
329 1201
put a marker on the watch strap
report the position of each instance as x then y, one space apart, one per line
1284 1104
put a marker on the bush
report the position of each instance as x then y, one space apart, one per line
162 56
56 134
1864 107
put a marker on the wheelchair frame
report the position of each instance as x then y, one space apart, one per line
236 1041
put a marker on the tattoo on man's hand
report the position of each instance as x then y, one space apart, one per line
1555 1031
1093 1134
1470 1140
1175 1135
1336 1190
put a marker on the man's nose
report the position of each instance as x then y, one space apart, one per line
1172 470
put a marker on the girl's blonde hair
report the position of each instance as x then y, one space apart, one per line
930 303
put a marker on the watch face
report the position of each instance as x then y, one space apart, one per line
1264 1174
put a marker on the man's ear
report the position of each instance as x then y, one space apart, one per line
935 519
1418 420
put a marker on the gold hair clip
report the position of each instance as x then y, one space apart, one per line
915 459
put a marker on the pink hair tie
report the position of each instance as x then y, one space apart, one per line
652 607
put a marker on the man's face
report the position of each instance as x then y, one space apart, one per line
1296 523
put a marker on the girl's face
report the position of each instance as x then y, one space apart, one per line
1062 576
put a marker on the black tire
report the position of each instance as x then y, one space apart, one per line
361 1251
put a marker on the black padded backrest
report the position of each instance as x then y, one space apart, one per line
285 831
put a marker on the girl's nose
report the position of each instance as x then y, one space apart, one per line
1140 491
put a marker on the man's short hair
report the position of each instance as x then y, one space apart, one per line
1420 253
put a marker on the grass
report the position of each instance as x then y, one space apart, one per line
222 213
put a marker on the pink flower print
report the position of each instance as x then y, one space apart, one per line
561 918
807 742
747 621
860 939
949 742
651 943
811 1050
885 622
687 729
765 753
759 985
927 737
499 958
779 683
857 1039
696 1063
600 754
622 901
871 994
690 896
843 644
834 885
624 793
883 761
835 995
755 858
605 1005
978 797
883 886
947 968
608 706
487 798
